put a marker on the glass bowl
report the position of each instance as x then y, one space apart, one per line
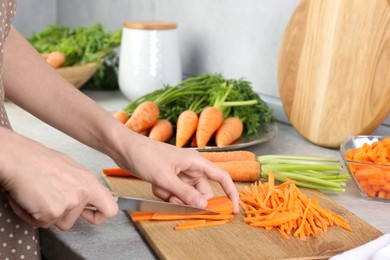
364 156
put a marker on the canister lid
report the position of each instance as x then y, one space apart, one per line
150 25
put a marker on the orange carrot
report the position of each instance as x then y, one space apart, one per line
122 116
196 224
163 216
193 141
161 131
220 204
372 176
241 170
230 130
117 172
56 59
141 216
45 55
229 156
210 119
186 125
144 116
285 208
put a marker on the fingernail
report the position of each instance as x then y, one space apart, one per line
200 202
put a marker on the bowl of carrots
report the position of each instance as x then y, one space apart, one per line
367 158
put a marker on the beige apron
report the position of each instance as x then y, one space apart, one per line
17 239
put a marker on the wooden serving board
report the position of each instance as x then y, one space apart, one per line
237 240
334 69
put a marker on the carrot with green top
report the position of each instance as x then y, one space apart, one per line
145 116
239 155
210 119
241 170
122 116
186 125
161 131
230 130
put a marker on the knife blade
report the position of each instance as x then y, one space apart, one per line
145 205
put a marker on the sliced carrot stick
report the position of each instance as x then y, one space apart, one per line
162 216
210 119
241 170
186 125
230 130
229 156
117 172
287 209
161 131
144 116
276 221
141 216
203 224
192 222
122 116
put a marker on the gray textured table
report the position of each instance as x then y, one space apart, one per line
119 238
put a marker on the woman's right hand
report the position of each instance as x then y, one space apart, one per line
48 188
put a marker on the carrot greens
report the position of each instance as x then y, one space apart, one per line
234 98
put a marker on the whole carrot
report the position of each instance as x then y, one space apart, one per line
161 131
186 125
242 170
122 116
210 119
145 116
229 156
230 130
55 59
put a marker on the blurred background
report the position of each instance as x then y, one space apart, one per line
236 38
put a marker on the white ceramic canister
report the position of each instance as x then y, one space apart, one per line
149 57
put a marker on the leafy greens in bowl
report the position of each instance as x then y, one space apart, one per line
83 45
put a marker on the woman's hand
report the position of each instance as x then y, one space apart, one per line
47 188
177 175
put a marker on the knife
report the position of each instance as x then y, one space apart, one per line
138 204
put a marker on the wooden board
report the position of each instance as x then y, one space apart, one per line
334 69
237 240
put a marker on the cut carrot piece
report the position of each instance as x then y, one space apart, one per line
117 172
287 209
194 224
141 216
163 216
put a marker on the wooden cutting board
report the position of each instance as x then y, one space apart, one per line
237 240
334 69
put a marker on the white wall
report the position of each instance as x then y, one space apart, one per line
34 15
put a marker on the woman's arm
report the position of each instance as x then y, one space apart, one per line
176 174
34 85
